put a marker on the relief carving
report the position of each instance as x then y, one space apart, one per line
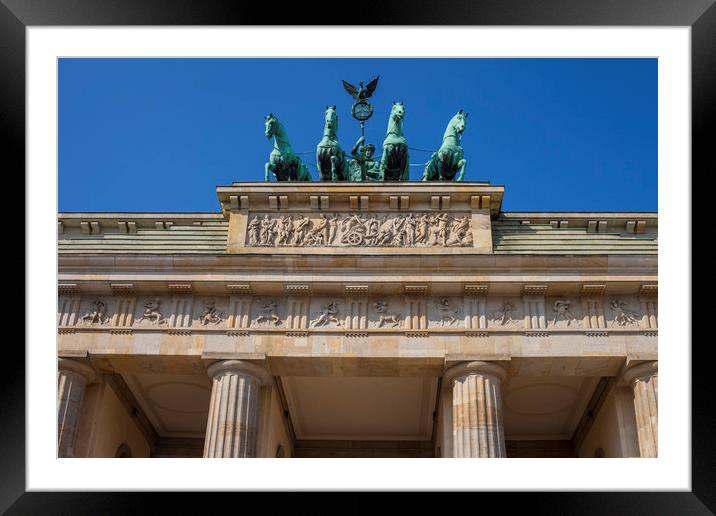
369 230
210 314
268 312
446 312
97 313
329 314
504 315
563 313
152 313
381 309
623 316
310 312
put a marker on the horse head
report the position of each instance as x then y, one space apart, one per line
331 119
397 112
457 125
271 125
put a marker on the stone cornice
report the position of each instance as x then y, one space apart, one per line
412 195
335 284
307 260
309 331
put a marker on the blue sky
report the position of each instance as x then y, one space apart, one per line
160 134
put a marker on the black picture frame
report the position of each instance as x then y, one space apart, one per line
700 15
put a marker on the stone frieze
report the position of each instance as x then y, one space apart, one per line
359 230
356 313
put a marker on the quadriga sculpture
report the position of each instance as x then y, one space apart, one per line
283 163
394 162
448 163
330 158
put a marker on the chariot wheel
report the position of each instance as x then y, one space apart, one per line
354 238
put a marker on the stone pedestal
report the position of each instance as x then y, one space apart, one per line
477 429
231 429
643 379
72 378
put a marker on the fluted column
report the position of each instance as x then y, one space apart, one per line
231 429
477 409
644 380
72 378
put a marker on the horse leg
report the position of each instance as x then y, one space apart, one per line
334 167
318 165
462 164
429 171
383 161
426 176
442 165
268 168
405 176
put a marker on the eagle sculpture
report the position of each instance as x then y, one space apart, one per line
360 93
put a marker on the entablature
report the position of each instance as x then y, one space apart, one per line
366 196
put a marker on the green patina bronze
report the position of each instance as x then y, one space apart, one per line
363 167
394 162
330 158
283 163
448 163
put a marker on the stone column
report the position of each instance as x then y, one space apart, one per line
477 409
231 430
643 379
72 378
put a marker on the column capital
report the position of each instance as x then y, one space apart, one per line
640 371
75 366
238 367
475 367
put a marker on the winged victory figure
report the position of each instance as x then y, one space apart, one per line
361 93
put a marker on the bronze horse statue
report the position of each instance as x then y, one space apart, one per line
394 161
448 163
283 162
330 158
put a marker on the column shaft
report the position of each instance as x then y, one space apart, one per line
232 425
477 429
72 378
644 382
645 407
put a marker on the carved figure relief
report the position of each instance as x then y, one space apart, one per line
268 312
323 231
364 313
381 309
268 233
97 313
253 231
447 313
460 232
299 230
210 314
365 229
623 316
504 315
152 313
329 314
562 312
